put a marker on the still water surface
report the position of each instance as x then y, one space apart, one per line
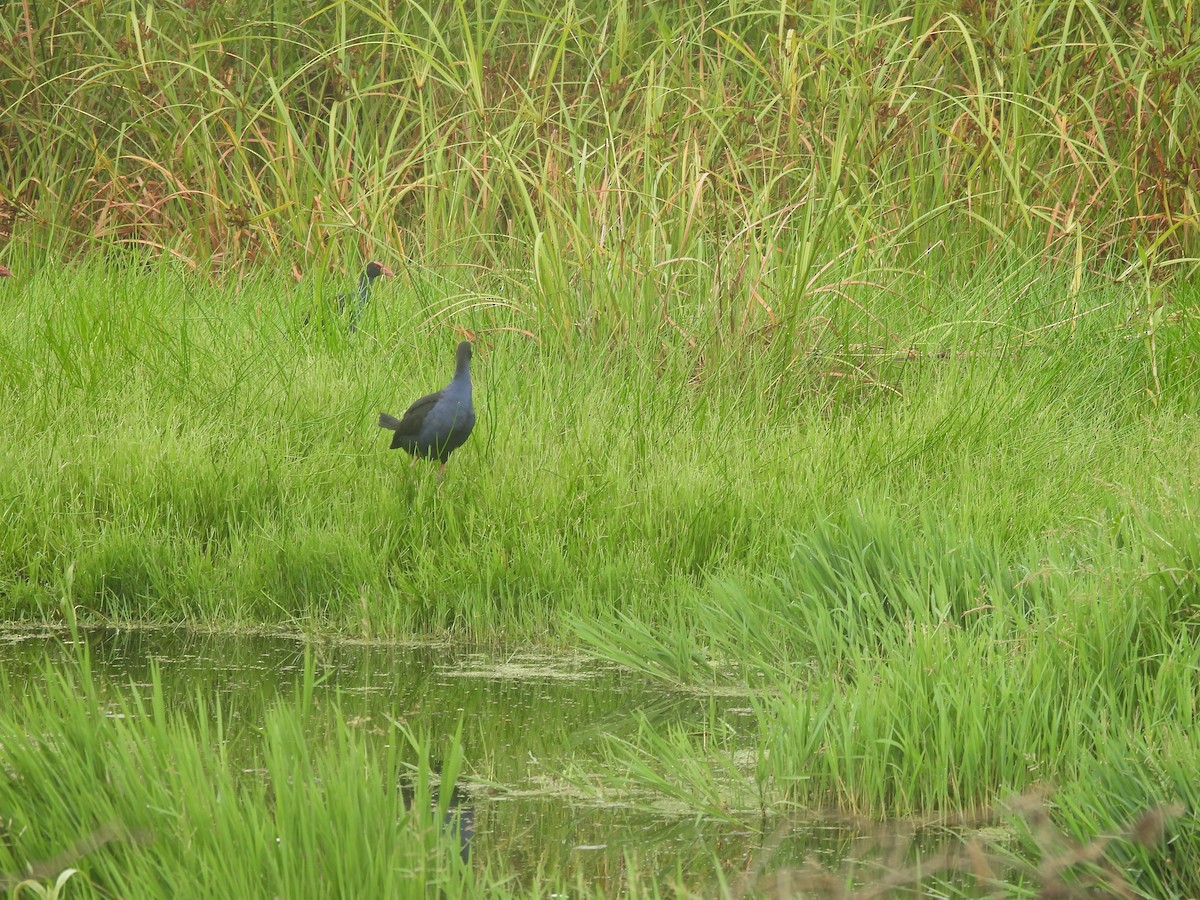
526 721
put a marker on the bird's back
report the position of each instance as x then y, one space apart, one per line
448 422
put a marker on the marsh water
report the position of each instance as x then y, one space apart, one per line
536 731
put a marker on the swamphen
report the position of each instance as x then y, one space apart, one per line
359 302
438 424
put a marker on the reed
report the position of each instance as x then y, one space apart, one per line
729 168
118 792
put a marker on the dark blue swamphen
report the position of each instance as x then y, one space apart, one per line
437 424
358 302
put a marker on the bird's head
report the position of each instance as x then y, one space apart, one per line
375 269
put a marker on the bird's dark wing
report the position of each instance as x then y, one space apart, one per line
414 416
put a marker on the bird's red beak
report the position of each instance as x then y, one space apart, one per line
384 270
6 273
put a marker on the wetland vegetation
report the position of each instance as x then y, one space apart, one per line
842 359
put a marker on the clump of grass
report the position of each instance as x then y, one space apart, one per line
146 799
900 672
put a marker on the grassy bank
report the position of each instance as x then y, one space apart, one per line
185 453
911 671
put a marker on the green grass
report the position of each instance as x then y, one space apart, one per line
178 452
911 671
848 355
948 572
149 799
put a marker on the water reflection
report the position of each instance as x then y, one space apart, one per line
524 718
459 818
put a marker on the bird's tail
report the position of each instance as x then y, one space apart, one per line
386 421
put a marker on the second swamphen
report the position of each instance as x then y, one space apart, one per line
437 424
358 302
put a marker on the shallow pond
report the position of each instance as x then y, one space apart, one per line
527 721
